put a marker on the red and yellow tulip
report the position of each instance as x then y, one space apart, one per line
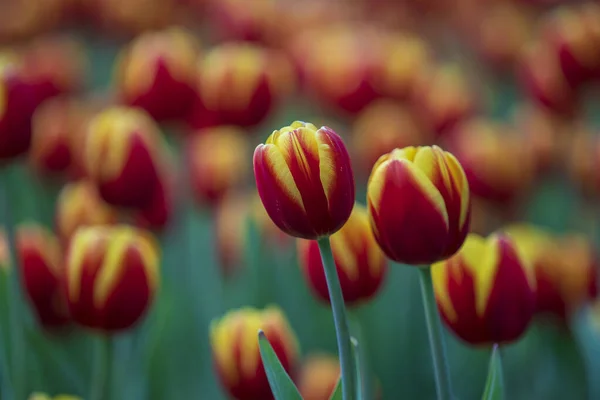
122 155
419 204
157 72
305 181
112 273
234 342
42 266
218 162
361 265
486 292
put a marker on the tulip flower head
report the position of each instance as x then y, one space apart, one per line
305 181
112 274
234 342
419 204
361 265
485 292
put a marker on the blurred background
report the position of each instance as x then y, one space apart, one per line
509 86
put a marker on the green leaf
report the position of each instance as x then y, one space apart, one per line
281 384
494 386
337 392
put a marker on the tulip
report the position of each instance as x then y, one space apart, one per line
54 125
111 277
44 396
486 292
122 156
231 220
481 147
382 127
239 84
443 98
79 205
544 81
318 377
566 269
157 72
360 263
217 159
236 355
235 21
340 65
305 180
42 267
419 204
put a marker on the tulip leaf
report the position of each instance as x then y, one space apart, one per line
281 384
494 386
337 392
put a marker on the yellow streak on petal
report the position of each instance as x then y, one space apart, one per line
85 241
327 167
123 238
439 275
346 242
458 175
281 172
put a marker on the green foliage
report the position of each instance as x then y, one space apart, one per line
494 386
281 384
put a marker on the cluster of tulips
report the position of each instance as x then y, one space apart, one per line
119 183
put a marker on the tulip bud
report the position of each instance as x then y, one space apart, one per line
122 156
305 181
79 205
485 293
382 127
234 342
44 396
544 81
42 267
419 204
339 66
318 377
406 58
217 158
481 147
361 265
111 277
239 84
573 33
157 72
566 268
54 125
443 98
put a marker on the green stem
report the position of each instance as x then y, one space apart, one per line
347 361
366 377
101 373
436 337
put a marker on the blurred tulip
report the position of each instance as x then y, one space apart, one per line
157 213
217 162
419 204
79 205
54 125
235 20
111 277
405 59
157 72
573 32
133 16
361 265
443 98
43 396
566 268
485 293
339 65
234 342
122 156
380 128
583 162
318 377
305 181
240 84
42 273
22 19
231 228
544 81
4 251
481 147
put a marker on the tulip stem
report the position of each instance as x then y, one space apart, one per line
101 378
436 337
342 331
